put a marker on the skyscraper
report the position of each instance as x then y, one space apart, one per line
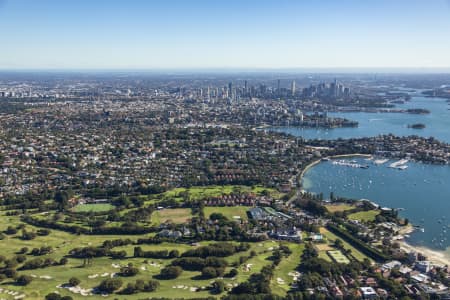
293 87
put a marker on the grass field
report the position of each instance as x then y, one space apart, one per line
229 211
332 237
338 257
339 207
92 207
200 192
286 270
175 215
364 216
47 279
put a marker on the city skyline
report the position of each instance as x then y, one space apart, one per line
236 35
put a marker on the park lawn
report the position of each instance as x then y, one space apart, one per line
286 266
322 249
201 192
102 268
94 207
63 242
263 253
47 279
175 215
228 211
364 216
332 237
332 208
324 255
155 247
338 257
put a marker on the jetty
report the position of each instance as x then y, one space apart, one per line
379 162
351 164
401 164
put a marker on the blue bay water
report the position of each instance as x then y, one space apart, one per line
423 191
372 124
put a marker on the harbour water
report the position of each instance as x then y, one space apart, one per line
372 124
421 191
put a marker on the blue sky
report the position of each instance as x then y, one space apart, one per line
198 34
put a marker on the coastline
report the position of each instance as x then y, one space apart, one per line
435 256
312 164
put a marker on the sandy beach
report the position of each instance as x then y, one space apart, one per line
309 166
434 256
437 257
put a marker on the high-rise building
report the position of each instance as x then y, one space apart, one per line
293 87
278 87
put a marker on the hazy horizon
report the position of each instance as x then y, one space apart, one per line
243 35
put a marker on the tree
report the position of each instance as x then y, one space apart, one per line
10 230
110 285
338 244
53 296
63 261
73 281
151 286
232 273
171 272
24 280
128 271
209 272
218 286
62 199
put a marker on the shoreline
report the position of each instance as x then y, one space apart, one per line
434 256
440 257
312 164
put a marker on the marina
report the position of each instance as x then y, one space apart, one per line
409 190
351 164
400 165
380 161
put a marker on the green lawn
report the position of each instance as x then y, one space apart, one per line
47 279
338 257
364 216
174 215
93 207
339 207
332 237
286 269
201 192
229 211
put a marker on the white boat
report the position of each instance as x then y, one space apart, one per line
380 161
399 164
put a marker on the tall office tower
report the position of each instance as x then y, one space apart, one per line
334 88
278 87
245 86
230 88
293 87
